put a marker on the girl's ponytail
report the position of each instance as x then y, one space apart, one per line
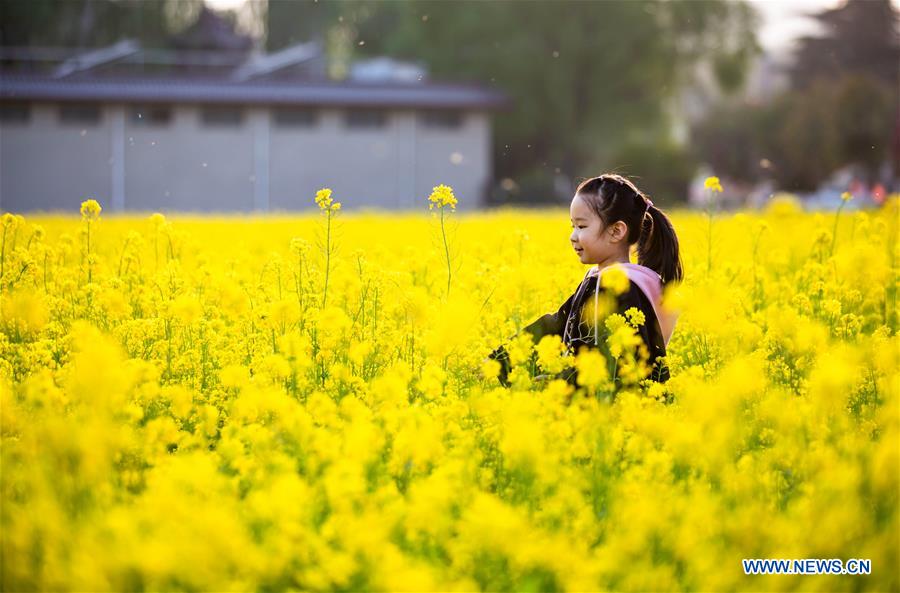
657 246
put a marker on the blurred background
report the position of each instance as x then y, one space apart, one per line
253 105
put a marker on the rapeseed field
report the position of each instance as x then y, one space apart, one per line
305 402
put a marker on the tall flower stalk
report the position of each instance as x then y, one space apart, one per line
330 209
9 225
158 221
299 247
845 197
441 196
711 185
757 284
90 211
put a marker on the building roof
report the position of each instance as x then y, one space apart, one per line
20 87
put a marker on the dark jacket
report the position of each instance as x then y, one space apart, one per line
575 332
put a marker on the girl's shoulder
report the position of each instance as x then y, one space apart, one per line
635 297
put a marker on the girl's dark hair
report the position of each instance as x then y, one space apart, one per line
613 198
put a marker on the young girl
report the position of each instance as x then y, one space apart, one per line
609 214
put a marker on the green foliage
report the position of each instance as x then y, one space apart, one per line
662 169
859 36
92 23
584 76
803 136
289 22
841 109
732 137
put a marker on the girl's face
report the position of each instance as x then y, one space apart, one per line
593 241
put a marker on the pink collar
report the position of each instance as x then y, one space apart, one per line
651 285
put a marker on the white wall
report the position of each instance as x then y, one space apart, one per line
46 165
186 165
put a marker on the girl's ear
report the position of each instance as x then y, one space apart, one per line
618 231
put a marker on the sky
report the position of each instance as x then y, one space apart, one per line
783 20
224 4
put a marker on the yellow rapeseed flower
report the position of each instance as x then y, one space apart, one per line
442 195
323 198
615 279
90 209
550 351
635 316
9 220
591 365
490 368
325 202
712 183
23 312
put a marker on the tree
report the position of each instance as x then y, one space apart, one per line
864 109
732 140
92 23
289 22
860 36
586 77
842 108
805 147
803 136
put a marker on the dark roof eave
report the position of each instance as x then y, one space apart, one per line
223 92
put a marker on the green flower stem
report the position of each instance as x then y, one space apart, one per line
446 250
834 230
327 258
